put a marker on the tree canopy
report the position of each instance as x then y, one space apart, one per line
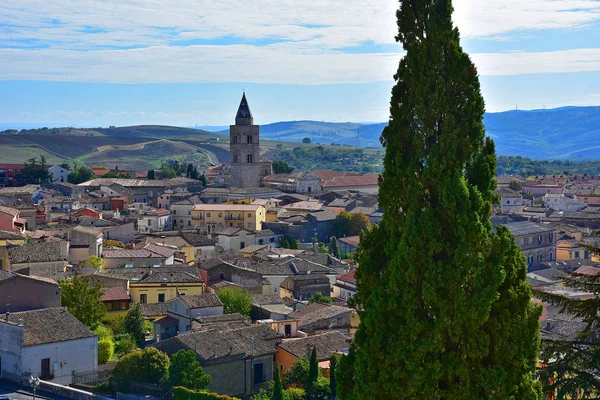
320 298
134 324
346 224
186 371
444 307
148 365
80 174
281 167
236 300
34 172
82 299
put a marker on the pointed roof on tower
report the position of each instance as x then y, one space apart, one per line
244 115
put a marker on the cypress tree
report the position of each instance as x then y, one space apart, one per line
313 371
278 388
332 378
334 248
445 310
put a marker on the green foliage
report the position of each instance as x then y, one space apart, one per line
517 165
182 393
80 174
319 390
103 388
515 185
65 165
134 324
337 159
313 370
346 224
334 248
103 332
294 245
285 244
113 243
95 262
149 365
306 140
236 300
320 298
294 393
202 178
125 344
262 394
281 167
444 307
332 377
148 326
186 371
83 300
277 388
347 255
151 175
34 172
166 172
298 373
113 174
570 366
106 349
117 325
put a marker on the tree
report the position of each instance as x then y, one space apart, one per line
281 167
95 262
515 185
80 174
313 370
134 324
65 165
320 390
186 371
83 300
359 222
151 176
319 298
112 174
306 140
298 373
189 170
34 172
285 244
294 245
334 248
346 224
167 172
203 179
444 307
149 365
236 300
278 387
570 366
332 378
106 350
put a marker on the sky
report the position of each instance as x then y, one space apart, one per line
90 63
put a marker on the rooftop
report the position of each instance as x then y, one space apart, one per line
200 300
316 312
326 344
226 207
114 294
36 252
527 228
153 309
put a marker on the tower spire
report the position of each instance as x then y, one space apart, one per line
244 115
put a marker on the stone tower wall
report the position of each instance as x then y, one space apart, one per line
244 174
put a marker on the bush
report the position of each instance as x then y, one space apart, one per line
148 327
186 371
149 365
103 388
294 393
320 390
181 393
125 344
103 332
106 349
117 325
298 374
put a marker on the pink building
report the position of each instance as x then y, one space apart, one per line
10 220
540 190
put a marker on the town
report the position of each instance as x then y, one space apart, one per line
250 272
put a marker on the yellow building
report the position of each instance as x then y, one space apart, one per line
247 216
247 200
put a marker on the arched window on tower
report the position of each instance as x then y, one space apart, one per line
235 158
235 138
249 137
249 158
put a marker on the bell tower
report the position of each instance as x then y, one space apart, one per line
244 148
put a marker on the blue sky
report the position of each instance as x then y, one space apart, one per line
125 62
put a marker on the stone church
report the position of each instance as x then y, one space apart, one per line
244 148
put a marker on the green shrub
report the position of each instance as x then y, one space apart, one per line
103 388
125 344
149 365
181 393
117 325
106 349
294 394
103 332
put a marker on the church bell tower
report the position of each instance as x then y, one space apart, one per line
244 148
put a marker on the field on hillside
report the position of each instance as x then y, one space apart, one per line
18 154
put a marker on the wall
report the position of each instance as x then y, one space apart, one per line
28 294
123 233
137 262
52 269
74 355
234 378
11 340
284 360
170 291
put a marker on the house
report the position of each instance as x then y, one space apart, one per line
116 258
240 361
22 292
510 201
560 202
117 301
45 259
326 344
183 309
303 287
216 270
271 307
155 220
59 173
161 284
318 317
168 252
368 183
269 237
153 311
288 327
345 286
348 244
537 241
84 242
49 343
247 216
200 247
12 238
11 221
232 238
28 194
9 174
182 213
220 322
164 200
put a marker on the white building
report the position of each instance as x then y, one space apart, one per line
510 201
560 202
182 214
49 343
345 286
59 174
155 220
185 308
232 238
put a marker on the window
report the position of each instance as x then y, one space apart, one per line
529 260
260 241
309 189
540 258
161 297
198 252
249 158
235 138
242 245
249 138
143 298
576 254
45 367
208 214
220 215
249 224
586 255
259 373
550 256
550 237
174 212
235 158
539 239
189 222
249 215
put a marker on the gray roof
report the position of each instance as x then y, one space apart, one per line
6 235
560 326
197 239
292 267
549 273
212 345
308 277
326 344
326 215
261 299
183 274
36 252
528 228
316 312
220 322
200 300
49 325
153 309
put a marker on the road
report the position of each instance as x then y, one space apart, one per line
20 392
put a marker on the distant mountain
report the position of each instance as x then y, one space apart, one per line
561 133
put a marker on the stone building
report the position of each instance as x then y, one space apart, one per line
244 148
